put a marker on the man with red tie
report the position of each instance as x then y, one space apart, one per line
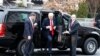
49 26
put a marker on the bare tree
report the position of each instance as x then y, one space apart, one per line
64 5
93 6
56 4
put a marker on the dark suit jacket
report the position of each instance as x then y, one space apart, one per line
74 28
46 22
28 29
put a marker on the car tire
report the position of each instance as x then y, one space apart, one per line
90 46
20 48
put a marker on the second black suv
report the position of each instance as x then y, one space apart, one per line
97 20
12 28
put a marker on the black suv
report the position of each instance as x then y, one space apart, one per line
12 27
97 21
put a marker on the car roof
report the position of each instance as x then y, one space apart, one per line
28 10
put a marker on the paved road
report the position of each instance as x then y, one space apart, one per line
55 53
66 53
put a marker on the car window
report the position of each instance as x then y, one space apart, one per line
65 23
17 16
66 19
1 16
23 16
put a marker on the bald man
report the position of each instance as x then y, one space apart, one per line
73 30
49 26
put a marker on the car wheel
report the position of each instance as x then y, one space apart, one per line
22 46
90 46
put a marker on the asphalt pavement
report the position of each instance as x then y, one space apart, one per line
55 52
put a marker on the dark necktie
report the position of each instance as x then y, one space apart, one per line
70 25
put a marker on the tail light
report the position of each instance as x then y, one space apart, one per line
2 30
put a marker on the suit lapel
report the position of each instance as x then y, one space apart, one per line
31 25
54 22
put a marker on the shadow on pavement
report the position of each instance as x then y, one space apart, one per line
56 53
44 53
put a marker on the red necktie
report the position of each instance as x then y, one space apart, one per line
52 27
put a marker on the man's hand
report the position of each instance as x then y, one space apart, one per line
35 24
54 27
29 37
47 27
66 32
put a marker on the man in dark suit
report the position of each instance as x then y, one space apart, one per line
73 30
29 28
49 26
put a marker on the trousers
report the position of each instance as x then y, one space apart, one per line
73 45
